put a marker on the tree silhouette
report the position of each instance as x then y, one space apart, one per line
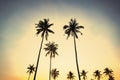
51 49
43 28
73 29
31 69
54 73
70 76
83 74
97 74
111 77
109 72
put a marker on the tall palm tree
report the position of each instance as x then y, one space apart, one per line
54 73
83 74
31 69
51 49
72 29
108 72
97 74
70 76
43 28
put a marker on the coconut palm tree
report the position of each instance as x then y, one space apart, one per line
54 73
31 69
97 74
43 28
70 76
72 29
108 72
83 74
51 49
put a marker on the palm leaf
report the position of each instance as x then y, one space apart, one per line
50 31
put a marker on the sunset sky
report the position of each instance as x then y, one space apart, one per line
98 47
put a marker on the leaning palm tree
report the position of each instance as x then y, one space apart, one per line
97 74
31 69
54 73
70 76
51 49
108 72
83 74
72 29
43 28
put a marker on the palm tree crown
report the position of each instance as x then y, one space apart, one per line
70 75
43 28
54 73
83 73
51 49
97 74
31 69
72 28
108 71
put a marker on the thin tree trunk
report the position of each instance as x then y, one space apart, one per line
38 59
29 76
76 59
50 67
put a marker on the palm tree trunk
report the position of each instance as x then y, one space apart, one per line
84 78
29 76
76 59
38 59
50 67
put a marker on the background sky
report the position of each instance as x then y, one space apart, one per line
98 48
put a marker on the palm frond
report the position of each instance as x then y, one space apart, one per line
65 26
81 27
50 31
76 35
50 25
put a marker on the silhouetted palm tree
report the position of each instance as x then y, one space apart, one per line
70 76
73 29
31 69
83 74
97 74
111 77
108 72
54 73
52 51
43 28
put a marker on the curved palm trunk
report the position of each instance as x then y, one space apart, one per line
76 59
38 59
50 68
29 76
